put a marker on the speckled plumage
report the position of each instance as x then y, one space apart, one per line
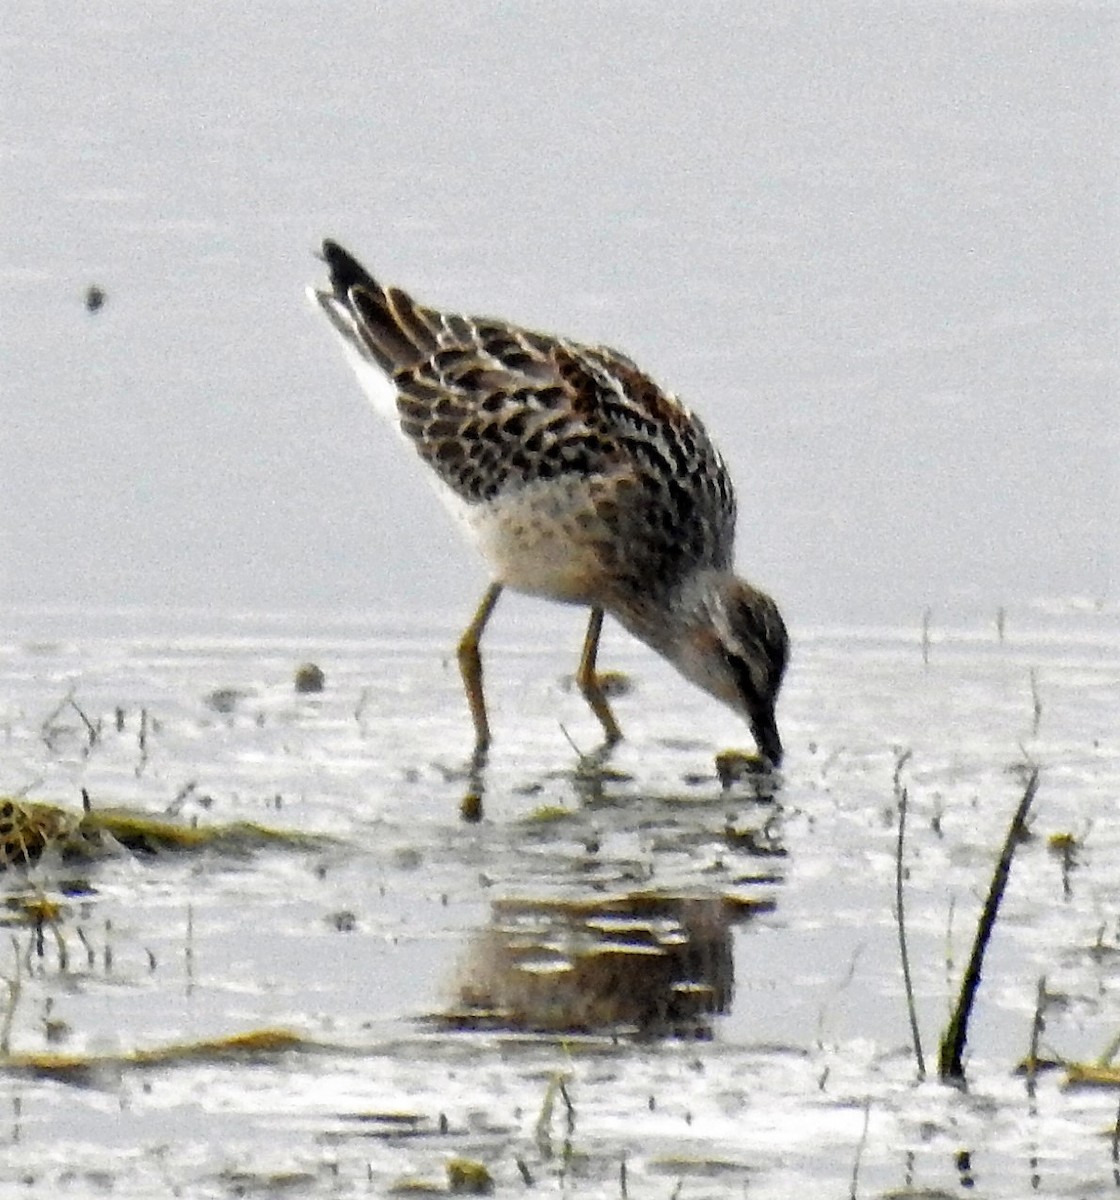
578 477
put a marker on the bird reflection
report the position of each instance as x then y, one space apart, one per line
641 963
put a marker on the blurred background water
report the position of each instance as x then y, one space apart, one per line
872 244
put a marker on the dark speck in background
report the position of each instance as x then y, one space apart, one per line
95 298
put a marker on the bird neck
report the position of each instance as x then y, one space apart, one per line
692 604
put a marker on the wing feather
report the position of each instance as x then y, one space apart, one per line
496 409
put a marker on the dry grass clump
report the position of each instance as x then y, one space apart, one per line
30 829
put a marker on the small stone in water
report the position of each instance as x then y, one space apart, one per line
309 678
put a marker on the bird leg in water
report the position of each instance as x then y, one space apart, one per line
470 667
588 681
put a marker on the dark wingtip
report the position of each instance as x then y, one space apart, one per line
345 270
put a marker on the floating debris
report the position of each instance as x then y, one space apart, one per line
465 1177
90 1067
28 829
310 678
758 843
392 1124
139 832
549 812
268 1183
682 1166
734 765
417 1187
95 298
343 921
1082 1075
35 910
225 700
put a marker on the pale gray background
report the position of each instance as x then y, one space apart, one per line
872 244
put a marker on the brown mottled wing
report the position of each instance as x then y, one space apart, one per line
497 408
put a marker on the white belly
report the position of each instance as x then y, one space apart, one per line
542 541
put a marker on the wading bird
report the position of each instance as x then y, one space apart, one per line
579 480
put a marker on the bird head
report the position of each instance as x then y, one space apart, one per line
736 649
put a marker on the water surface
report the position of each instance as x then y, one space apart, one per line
364 945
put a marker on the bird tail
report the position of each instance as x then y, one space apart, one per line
391 327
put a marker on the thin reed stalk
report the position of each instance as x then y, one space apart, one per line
951 1052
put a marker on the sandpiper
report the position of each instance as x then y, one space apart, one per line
579 479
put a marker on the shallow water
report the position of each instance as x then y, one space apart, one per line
869 244
368 944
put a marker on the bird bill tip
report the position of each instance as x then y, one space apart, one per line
765 730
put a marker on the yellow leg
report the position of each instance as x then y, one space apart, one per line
470 667
588 681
